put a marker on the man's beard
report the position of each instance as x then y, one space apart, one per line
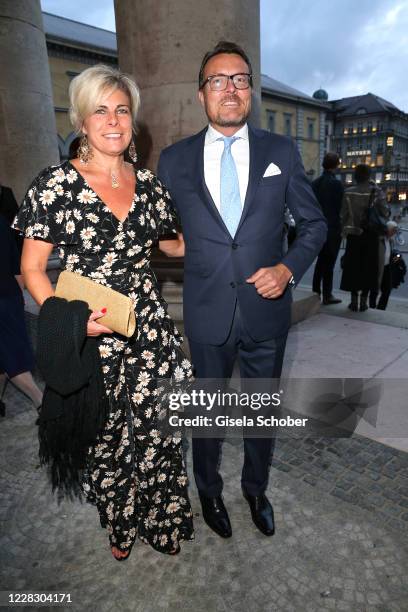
236 121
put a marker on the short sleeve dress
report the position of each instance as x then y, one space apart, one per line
135 476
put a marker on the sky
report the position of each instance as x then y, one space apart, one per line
348 47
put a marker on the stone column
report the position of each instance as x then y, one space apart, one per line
162 42
28 135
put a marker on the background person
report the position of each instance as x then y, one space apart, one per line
361 257
329 193
9 209
386 284
16 356
105 217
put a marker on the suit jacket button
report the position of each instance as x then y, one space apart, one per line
234 245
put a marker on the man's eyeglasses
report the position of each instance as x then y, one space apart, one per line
219 82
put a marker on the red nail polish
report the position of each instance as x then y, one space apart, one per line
104 310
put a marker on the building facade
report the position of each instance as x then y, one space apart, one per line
290 112
370 130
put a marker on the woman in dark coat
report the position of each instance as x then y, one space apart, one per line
361 258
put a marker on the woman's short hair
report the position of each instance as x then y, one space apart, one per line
87 89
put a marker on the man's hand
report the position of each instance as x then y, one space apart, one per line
271 282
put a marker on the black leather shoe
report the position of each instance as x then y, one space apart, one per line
330 299
262 513
216 515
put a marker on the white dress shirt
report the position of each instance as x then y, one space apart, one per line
213 149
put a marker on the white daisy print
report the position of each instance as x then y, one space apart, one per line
87 233
86 196
59 175
71 176
47 197
70 227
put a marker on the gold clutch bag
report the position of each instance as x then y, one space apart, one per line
120 316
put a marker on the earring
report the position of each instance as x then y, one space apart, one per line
132 152
84 150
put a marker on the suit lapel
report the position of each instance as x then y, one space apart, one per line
258 149
195 152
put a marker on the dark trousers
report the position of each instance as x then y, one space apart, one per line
256 360
326 260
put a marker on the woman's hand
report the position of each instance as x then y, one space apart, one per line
96 329
173 247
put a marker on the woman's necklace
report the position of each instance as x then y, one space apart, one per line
113 174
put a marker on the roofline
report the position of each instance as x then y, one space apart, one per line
78 22
73 44
287 96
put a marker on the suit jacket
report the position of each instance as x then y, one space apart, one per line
216 265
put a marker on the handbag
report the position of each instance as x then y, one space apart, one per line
375 222
120 316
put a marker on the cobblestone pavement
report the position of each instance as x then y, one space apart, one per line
341 511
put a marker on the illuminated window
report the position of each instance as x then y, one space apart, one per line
402 196
390 141
378 177
388 176
349 178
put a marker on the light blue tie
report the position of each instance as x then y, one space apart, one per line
230 208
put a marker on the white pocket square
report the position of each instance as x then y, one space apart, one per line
272 170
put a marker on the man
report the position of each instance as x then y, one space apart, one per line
229 184
329 192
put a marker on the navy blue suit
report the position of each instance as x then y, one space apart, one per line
223 315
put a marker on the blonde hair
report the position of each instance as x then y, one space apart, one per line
87 89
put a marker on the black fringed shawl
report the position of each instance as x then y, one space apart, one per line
75 405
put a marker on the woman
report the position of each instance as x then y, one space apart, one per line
105 217
16 357
361 258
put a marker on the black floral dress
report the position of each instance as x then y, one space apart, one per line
135 476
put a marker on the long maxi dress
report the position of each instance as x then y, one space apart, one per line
135 476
